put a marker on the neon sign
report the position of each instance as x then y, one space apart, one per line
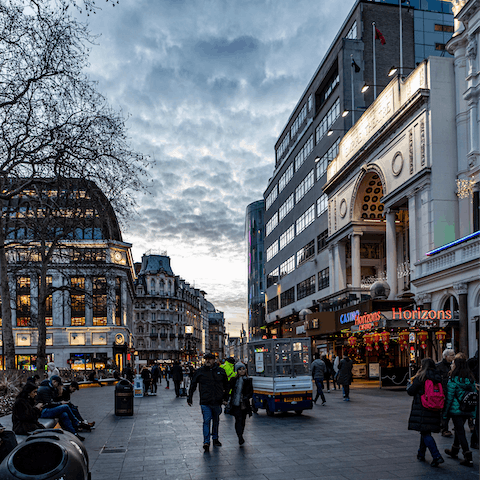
421 314
349 317
368 320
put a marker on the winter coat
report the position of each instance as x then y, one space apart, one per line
52 370
443 368
25 416
422 419
318 369
212 385
456 389
155 373
146 375
48 395
344 376
335 365
177 373
247 391
329 368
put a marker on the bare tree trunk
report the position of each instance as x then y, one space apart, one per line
7 331
41 327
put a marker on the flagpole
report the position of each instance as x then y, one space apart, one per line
353 91
374 65
401 40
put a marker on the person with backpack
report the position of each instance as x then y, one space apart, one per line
461 403
426 412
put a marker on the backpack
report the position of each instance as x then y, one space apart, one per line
469 402
433 398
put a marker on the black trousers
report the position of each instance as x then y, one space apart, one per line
240 420
460 439
154 385
177 387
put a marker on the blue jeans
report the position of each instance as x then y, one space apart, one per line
319 384
210 413
68 421
427 441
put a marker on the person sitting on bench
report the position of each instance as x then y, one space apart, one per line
66 395
26 411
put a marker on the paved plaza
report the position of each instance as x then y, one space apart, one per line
366 439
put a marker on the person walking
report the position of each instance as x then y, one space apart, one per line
328 371
344 376
128 373
168 375
241 389
177 376
335 362
422 419
155 376
213 388
229 367
461 382
318 369
146 376
444 368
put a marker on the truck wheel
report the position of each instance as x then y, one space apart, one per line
267 409
298 412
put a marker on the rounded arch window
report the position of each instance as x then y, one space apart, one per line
451 304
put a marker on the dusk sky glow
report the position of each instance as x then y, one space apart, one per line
208 87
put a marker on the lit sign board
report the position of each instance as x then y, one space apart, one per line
188 329
367 321
349 317
421 314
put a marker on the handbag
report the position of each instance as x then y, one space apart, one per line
227 409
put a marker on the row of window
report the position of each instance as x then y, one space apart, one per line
285 207
328 90
285 178
271 224
302 222
327 121
283 146
330 154
304 289
304 186
272 196
298 121
305 151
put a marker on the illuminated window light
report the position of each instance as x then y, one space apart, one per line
451 244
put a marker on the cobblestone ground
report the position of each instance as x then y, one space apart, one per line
364 439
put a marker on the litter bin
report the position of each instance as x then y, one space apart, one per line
124 398
47 454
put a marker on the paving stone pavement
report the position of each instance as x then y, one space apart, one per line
365 439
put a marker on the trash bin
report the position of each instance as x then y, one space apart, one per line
124 398
47 454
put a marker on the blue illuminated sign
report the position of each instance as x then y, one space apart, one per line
456 242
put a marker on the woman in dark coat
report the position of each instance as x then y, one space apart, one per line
241 391
26 412
421 419
344 376
328 372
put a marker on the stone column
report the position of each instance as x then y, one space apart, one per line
462 290
124 295
110 300
356 264
391 242
331 268
412 231
427 301
88 301
34 288
339 272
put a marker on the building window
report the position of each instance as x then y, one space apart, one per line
23 302
272 278
310 102
439 46
152 286
322 204
305 185
305 220
304 153
305 253
287 266
77 301
298 121
118 301
286 206
306 288
283 146
444 28
352 33
327 121
322 164
287 297
271 197
99 301
271 224
287 236
285 178
272 305
329 88
272 250
322 240
323 279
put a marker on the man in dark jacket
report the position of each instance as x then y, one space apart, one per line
443 368
54 407
213 388
155 376
66 396
318 368
177 376
344 376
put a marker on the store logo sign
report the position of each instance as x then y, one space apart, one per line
349 317
421 314
367 321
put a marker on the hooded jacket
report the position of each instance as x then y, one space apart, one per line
456 388
319 369
212 385
421 419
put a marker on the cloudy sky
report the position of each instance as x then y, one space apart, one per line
208 86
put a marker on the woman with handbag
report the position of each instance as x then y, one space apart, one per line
461 383
421 418
241 391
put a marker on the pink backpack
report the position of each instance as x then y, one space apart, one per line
433 398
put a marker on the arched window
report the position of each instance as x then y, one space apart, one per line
140 329
451 304
152 286
162 286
